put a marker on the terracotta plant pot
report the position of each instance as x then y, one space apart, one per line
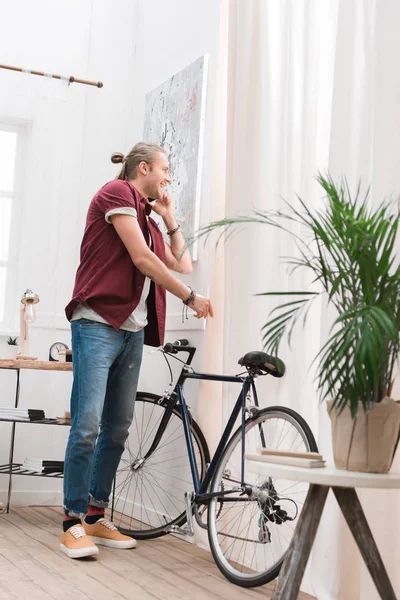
368 442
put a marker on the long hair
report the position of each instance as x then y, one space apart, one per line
141 152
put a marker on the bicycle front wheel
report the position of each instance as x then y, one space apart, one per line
149 492
250 530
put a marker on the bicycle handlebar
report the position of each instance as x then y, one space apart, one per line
177 346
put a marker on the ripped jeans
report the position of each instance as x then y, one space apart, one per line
106 365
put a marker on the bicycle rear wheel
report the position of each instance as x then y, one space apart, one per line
149 494
250 531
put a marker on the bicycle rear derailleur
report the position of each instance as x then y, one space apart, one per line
271 512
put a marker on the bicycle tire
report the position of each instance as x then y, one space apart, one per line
240 566
147 509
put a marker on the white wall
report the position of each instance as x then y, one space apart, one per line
169 36
131 47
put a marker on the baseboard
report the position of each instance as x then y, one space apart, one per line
30 498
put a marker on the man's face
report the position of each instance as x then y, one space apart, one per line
157 177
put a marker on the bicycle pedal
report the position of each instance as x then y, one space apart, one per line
185 530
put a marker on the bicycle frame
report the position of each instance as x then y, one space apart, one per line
200 487
240 405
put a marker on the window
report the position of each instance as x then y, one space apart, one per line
10 149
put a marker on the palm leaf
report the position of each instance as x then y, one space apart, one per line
349 247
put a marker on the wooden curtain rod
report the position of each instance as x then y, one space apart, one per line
69 79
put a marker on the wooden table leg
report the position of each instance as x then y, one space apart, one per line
356 520
291 574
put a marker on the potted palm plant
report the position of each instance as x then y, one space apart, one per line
350 252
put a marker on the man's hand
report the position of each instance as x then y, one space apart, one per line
202 307
163 206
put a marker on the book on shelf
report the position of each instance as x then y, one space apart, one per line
23 414
43 462
267 452
20 419
294 459
43 470
32 411
65 355
43 465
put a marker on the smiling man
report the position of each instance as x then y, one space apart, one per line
118 304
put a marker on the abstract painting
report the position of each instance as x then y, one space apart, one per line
174 119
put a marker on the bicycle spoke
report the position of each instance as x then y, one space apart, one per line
167 476
149 494
143 438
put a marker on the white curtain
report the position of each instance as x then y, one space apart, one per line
364 143
312 85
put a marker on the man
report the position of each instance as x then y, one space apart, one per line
118 304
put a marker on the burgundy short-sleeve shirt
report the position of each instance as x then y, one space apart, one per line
107 279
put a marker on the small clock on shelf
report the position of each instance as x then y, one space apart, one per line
54 352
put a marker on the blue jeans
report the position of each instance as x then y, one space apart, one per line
106 365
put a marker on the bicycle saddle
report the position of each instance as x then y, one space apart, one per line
263 363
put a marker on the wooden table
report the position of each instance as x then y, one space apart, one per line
343 484
42 365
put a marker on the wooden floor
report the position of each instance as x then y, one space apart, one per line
33 568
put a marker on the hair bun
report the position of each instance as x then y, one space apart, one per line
117 157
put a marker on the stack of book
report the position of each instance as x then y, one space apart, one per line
65 355
22 414
294 459
43 465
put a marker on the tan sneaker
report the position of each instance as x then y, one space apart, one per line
104 533
76 544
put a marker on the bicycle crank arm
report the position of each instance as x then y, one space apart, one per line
188 528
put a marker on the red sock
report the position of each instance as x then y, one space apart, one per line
95 510
94 513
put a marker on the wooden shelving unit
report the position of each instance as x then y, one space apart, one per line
10 468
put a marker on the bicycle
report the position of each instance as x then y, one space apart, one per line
162 484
